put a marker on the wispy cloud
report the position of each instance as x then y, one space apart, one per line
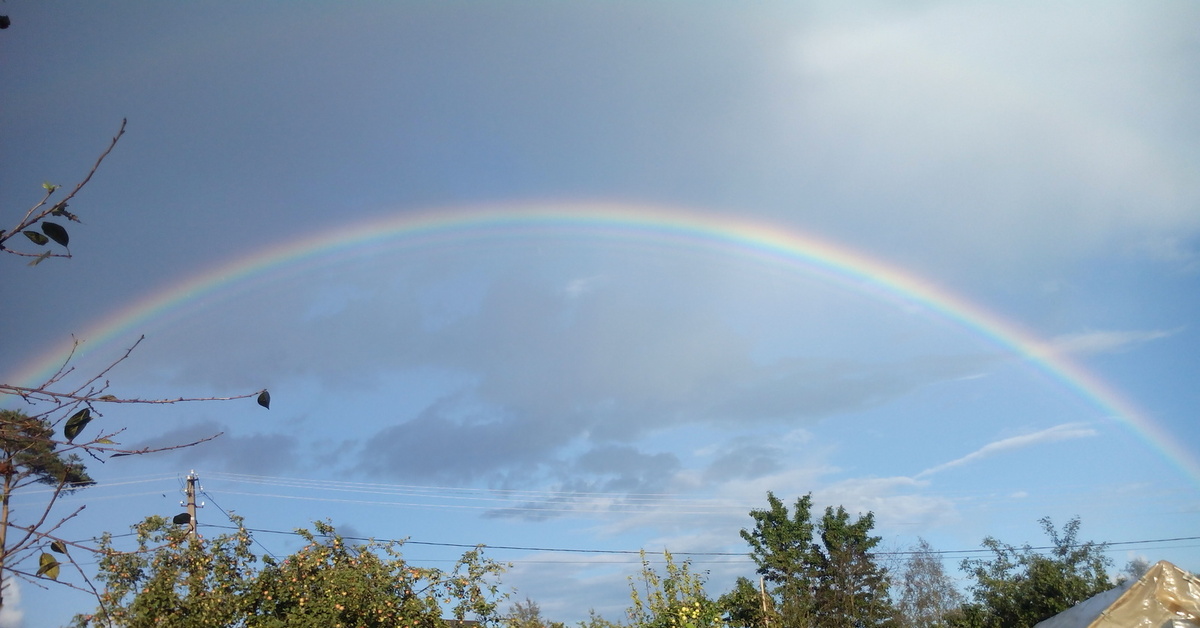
582 285
1090 342
1066 431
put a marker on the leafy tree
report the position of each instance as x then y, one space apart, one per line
1019 587
44 444
29 455
742 607
928 597
781 544
674 600
835 582
852 590
175 581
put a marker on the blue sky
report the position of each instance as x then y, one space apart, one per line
543 389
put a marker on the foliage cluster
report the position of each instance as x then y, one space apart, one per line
1019 586
821 573
827 572
675 599
174 580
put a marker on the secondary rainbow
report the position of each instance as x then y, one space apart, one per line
652 223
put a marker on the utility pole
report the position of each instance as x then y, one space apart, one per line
190 492
762 590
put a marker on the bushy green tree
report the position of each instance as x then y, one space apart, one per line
1019 586
173 581
781 544
834 582
742 606
852 590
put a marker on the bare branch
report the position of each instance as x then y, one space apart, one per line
37 213
37 394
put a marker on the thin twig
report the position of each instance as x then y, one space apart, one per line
32 218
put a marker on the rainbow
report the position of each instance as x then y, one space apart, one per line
651 223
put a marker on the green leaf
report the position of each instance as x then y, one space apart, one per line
264 399
106 441
59 546
106 398
76 423
36 237
39 259
48 186
48 566
56 232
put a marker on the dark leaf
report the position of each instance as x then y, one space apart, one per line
264 399
181 519
56 232
106 398
76 423
48 566
119 455
36 237
59 546
61 210
39 259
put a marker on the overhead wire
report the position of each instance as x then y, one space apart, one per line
948 553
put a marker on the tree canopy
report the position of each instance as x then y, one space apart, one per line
1020 586
173 580
834 582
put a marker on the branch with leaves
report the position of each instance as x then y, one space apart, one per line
41 442
37 215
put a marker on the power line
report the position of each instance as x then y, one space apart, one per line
230 518
638 551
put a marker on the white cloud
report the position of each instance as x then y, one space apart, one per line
11 615
583 285
1066 431
1028 147
1105 341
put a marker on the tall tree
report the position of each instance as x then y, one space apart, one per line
834 582
781 544
1020 586
852 590
928 597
